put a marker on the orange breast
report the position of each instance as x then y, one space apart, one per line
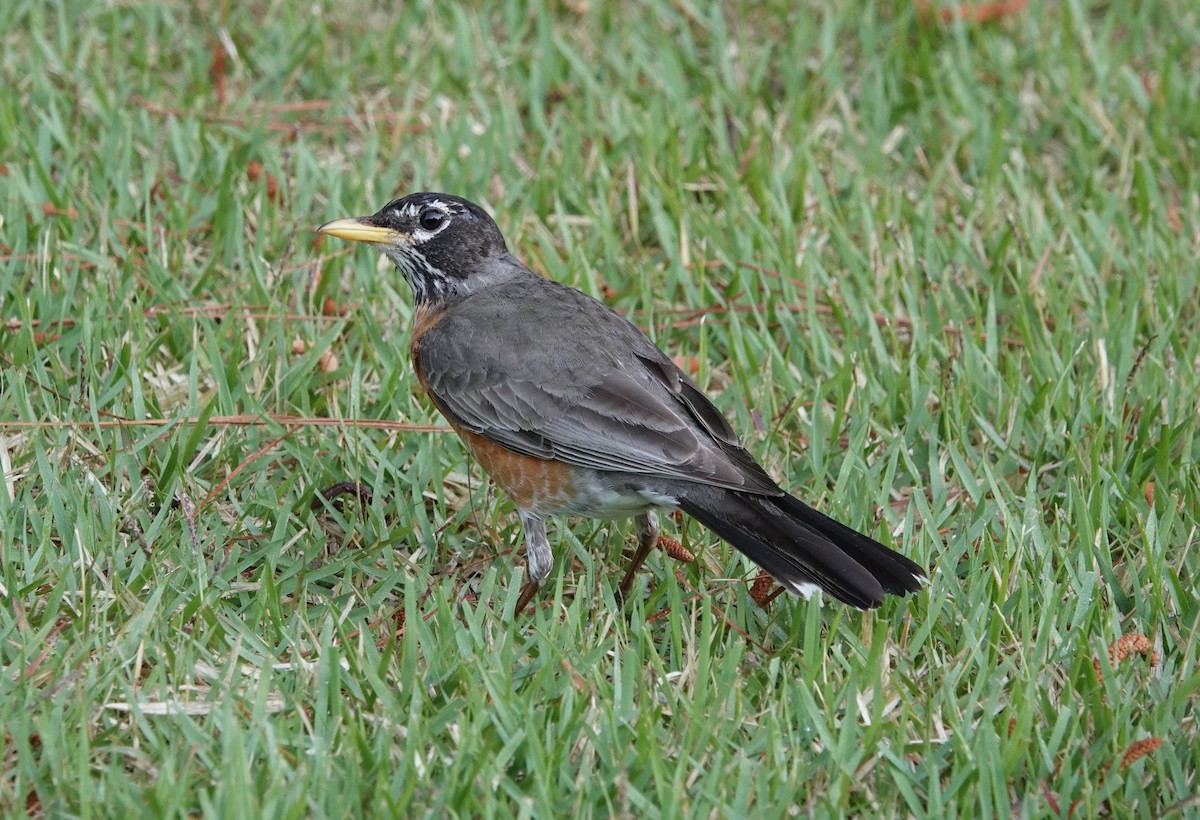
532 483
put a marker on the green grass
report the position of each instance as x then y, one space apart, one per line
942 276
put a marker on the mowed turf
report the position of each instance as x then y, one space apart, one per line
941 274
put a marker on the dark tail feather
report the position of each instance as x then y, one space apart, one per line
895 573
799 546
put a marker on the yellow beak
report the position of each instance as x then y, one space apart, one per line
360 229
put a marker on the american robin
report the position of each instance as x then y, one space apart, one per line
573 411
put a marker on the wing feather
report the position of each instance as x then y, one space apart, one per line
595 393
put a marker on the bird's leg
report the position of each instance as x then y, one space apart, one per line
647 530
538 559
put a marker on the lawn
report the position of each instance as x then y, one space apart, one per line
940 273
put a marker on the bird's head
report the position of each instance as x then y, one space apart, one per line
438 241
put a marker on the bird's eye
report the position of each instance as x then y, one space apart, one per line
431 219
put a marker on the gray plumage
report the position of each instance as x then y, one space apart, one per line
553 375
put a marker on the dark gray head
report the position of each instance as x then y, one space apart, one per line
438 241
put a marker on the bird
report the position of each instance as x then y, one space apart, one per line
573 411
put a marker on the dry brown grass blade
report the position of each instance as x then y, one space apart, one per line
692 317
236 421
257 454
720 613
247 313
273 121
